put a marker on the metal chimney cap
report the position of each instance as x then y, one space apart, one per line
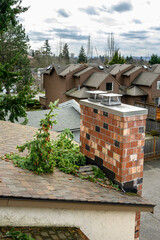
95 96
111 95
111 99
96 92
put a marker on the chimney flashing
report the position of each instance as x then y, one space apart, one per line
123 110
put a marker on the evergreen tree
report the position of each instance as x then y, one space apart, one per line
154 59
82 58
129 59
65 54
14 65
14 44
43 56
8 12
117 58
47 48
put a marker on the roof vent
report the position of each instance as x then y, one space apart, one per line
145 67
95 96
101 67
111 99
48 68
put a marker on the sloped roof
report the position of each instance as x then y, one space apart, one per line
74 92
128 73
70 111
145 78
63 70
58 68
119 67
70 68
95 79
22 184
122 89
157 69
78 74
135 91
70 103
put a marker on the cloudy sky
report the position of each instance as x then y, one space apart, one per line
135 24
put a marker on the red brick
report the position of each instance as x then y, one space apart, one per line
134 144
115 169
124 172
118 164
110 115
110 154
140 156
125 145
99 148
118 178
111 128
100 136
131 124
117 130
134 130
129 164
128 178
101 155
114 122
138 136
102 143
92 150
129 151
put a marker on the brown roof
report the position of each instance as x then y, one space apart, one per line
16 183
145 78
120 67
74 92
70 68
157 69
58 68
128 73
78 74
95 79
135 91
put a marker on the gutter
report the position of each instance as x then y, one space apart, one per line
75 204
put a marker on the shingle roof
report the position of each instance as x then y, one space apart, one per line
58 68
128 73
74 92
70 111
78 74
135 91
70 68
145 78
22 184
95 79
120 67
157 69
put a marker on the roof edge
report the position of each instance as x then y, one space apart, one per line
75 204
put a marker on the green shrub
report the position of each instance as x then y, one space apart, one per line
154 133
67 155
44 154
17 235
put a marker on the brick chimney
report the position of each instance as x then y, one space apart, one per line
113 138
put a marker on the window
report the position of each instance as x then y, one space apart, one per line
157 101
109 86
158 85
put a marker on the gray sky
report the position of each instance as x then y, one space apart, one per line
135 24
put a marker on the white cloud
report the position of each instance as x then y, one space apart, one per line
73 21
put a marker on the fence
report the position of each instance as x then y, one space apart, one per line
152 148
152 109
